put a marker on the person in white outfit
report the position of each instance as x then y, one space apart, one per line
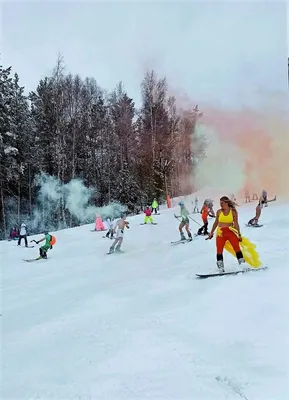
120 225
23 234
110 228
196 203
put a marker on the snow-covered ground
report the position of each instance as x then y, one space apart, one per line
139 325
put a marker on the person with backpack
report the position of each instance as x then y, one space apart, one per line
49 242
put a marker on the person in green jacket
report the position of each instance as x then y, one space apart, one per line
155 206
47 246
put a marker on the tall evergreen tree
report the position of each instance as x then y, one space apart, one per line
72 128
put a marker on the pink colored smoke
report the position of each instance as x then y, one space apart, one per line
247 149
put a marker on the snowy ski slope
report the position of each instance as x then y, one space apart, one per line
139 325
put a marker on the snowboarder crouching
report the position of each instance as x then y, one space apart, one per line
49 242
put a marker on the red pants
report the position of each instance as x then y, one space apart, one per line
227 234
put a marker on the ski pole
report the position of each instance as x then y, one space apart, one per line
195 221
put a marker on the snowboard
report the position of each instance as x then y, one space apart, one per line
154 223
205 276
115 252
94 230
181 241
35 259
254 226
105 237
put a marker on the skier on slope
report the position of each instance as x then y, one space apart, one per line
155 206
119 228
49 242
110 228
148 215
185 222
227 230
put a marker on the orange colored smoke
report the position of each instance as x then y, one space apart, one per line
262 138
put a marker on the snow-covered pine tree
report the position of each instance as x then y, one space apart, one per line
155 130
8 146
20 127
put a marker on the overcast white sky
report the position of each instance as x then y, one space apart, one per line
210 50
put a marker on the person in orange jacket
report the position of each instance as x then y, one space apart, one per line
205 212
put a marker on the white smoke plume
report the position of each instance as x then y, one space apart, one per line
62 206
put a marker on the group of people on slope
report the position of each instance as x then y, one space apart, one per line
22 233
19 234
226 222
118 228
206 211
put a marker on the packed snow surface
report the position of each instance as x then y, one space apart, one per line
140 325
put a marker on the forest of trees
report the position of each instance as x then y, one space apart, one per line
70 127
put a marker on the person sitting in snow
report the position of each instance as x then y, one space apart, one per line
14 234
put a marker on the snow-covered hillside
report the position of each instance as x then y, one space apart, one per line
139 325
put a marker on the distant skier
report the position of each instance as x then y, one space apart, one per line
148 215
196 208
185 222
228 230
119 228
109 222
205 212
155 206
247 196
49 242
23 234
